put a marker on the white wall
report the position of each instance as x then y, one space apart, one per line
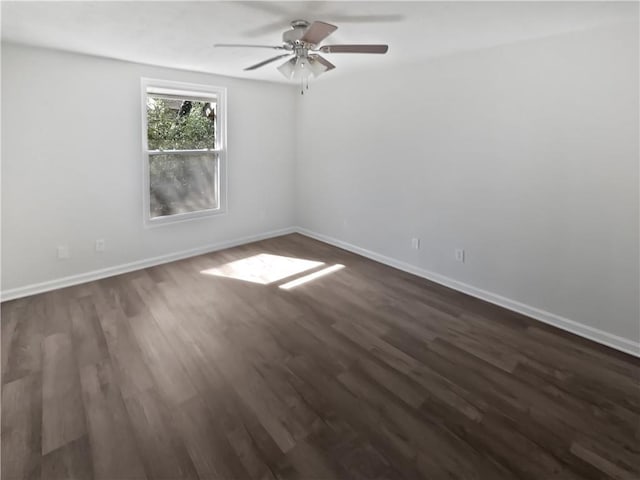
71 164
525 155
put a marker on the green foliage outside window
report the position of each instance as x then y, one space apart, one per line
182 126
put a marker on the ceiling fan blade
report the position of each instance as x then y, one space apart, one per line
274 47
354 48
317 32
323 61
265 62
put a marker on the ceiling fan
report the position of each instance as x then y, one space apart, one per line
301 44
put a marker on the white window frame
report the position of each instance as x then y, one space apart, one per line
196 91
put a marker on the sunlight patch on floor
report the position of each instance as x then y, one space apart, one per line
311 276
263 268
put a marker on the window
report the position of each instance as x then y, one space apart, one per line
184 157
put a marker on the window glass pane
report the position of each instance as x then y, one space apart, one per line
175 124
183 183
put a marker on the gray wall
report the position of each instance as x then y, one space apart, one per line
524 155
72 164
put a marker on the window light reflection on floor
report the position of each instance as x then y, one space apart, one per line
311 276
263 268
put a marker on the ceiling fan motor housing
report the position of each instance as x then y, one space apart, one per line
298 27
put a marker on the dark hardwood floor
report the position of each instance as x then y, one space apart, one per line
363 373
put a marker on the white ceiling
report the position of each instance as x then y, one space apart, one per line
182 34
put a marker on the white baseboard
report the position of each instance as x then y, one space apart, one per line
137 265
597 335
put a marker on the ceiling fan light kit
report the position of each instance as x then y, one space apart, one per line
301 68
301 44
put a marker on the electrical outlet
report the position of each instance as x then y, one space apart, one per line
415 243
63 252
100 245
459 254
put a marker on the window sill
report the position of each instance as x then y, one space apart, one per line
182 217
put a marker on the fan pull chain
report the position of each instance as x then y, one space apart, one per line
304 85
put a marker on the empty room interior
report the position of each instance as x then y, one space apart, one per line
320 240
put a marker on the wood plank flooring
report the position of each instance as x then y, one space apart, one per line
364 373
